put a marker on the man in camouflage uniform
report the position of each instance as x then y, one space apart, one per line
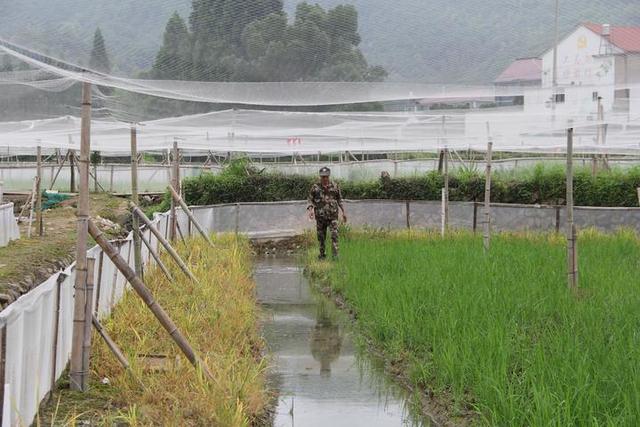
325 202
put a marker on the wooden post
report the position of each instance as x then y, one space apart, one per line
445 194
3 366
98 283
155 255
572 258
137 248
189 214
175 183
111 180
39 224
56 328
137 211
72 160
88 313
487 194
139 287
77 375
32 205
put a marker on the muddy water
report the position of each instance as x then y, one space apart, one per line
321 377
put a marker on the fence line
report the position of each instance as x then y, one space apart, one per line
9 229
28 325
31 358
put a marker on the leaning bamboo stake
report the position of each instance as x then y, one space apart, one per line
137 211
77 376
38 195
189 214
56 328
139 287
487 193
572 258
88 314
137 245
55 177
113 347
154 254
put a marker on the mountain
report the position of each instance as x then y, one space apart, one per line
439 41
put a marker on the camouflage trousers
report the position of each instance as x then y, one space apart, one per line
322 224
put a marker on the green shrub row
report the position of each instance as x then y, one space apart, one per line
539 185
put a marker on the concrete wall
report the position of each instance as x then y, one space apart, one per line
289 218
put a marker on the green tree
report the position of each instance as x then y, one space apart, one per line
99 60
173 61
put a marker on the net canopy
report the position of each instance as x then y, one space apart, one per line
267 76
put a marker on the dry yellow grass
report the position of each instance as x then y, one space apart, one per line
220 319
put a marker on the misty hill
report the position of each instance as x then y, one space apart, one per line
462 41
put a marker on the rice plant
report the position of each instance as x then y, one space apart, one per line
500 336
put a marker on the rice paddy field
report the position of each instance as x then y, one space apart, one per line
219 317
499 337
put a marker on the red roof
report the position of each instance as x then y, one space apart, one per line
522 70
625 38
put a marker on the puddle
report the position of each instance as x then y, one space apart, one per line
321 377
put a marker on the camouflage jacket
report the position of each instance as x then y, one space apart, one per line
325 201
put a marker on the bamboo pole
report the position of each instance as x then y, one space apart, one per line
32 204
137 245
175 183
77 376
638 196
487 193
189 214
139 287
572 264
155 255
445 194
163 242
39 223
3 366
96 307
88 313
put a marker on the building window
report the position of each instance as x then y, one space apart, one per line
559 98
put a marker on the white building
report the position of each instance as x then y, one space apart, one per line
593 61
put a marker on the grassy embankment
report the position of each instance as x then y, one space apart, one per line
220 319
500 335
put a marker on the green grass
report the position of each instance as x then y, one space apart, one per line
500 334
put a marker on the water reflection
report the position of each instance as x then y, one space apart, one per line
326 339
317 370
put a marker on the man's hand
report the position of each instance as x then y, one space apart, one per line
344 217
311 214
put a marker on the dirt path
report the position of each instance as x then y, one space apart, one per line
25 263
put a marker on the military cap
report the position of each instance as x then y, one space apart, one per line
325 171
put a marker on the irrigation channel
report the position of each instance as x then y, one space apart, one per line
321 376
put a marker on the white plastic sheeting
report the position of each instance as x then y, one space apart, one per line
29 327
8 225
251 131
